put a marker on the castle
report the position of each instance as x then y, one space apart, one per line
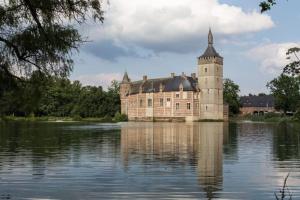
178 98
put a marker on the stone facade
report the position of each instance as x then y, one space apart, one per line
182 98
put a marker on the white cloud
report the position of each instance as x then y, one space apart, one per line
173 25
272 57
102 79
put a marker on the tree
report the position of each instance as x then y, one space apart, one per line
293 68
285 90
266 5
40 35
231 96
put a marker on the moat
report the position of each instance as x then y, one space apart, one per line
210 160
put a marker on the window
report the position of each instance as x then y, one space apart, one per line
207 91
161 102
205 70
141 102
197 105
206 107
149 103
177 106
188 106
168 102
177 95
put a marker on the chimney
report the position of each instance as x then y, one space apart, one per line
172 75
144 78
183 74
193 75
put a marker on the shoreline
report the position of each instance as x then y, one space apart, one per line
51 119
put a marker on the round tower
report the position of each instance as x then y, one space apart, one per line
210 82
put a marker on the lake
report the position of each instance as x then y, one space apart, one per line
203 160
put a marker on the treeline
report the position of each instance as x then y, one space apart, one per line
286 92
58 97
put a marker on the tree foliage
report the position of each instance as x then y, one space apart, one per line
266 5
39 35
231 96
293 68
60 97
286 91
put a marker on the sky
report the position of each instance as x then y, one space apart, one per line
158 37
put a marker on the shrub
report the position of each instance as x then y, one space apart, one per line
77 118
272 115
120 117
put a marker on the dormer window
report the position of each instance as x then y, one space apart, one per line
161 87
181 87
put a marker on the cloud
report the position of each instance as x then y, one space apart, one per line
171 25
108 50
272 57
102 79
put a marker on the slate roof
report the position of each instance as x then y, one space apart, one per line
257 101
168 84
125 78
210 50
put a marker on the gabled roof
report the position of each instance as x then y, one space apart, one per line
257 101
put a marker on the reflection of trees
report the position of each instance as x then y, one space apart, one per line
44 144
194 144
230 142
286 143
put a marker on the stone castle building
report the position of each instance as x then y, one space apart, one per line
184 98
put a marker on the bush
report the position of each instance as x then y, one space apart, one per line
120 117
77 118
272 115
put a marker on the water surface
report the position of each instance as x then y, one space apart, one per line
148 160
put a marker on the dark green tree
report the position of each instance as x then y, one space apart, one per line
293 68
231 96
266 5
40 35
285 90
59 97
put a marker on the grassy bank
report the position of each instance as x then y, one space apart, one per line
107 119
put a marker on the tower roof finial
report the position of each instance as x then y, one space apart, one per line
210 38
210 50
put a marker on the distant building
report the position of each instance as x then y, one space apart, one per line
257 105
184 98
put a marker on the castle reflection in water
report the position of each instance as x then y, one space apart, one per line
199 145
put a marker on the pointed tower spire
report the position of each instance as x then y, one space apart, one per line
125 78
210 38
210 50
